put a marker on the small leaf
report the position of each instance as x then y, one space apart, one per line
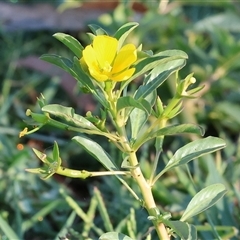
149 63
56 152
67 113
59 61
124 102
194 150
96 151
183 230
177 129
203 200
124 31
97 30
170 130
72 43
114 236
138 118
157 77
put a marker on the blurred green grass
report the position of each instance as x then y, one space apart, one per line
34 209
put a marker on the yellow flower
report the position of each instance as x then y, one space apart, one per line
106 62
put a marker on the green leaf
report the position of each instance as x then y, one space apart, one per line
103 210
138 118
97 30
56 152
124 102
182 229
59 61
177 129
157 76
162 58
67 113
96 151
7 230
227 20
203 200
33 220
124 31
72 43
81 75
114 236
170 130
194 150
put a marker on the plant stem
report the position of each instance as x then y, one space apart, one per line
136 172
149 202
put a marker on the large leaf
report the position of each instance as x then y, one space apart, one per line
124 31
67 113
204 200
125 102
114 236
194 150
72 43
96 151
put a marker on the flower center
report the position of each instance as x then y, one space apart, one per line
107 68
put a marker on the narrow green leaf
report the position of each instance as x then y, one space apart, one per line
29 223
160 59
124 31
84 79
103 210
149 63
67 225
59 61
55 152
67 113
124 102
170 130
194 150
97 30
96 151
114 236
72 43
177 129
203 200
157 77
81 75
172 53
7 229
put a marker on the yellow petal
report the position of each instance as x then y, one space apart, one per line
98 75
89 57
123 76
125 58
105 48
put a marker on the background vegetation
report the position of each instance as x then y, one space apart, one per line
60 208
